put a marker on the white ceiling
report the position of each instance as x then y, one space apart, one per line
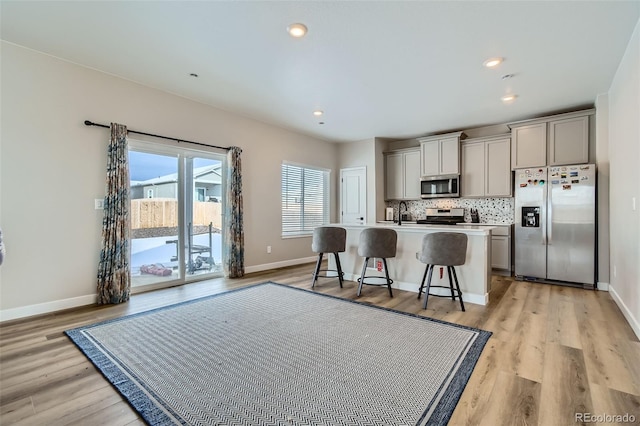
378 69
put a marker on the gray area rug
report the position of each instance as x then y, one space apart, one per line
270 354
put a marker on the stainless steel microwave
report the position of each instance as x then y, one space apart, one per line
444 186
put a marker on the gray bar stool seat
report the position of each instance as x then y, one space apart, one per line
444 249
377 243
328 239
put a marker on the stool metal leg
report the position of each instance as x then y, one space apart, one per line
453 296
361 279
424 277
386 274
426 293
458 287
339 268
317 270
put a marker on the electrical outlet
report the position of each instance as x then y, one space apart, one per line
268 249
615 271
99 203
633 203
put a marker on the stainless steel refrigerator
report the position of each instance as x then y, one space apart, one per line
555 224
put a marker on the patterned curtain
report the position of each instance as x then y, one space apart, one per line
114 273
234 232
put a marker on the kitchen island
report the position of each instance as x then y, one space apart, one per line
407 271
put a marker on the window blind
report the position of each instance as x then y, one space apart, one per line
305 199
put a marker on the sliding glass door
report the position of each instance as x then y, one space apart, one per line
176 214
203 212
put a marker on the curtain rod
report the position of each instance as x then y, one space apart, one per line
89 123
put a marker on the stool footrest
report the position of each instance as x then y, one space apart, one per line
457 292
326 275
388 282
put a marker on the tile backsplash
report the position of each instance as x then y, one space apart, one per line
490 210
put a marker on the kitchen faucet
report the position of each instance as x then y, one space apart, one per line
400 211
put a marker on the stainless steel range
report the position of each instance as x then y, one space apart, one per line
443 217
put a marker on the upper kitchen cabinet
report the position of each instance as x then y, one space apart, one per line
569 141
402 174
440 154
529 146
486 167
554 140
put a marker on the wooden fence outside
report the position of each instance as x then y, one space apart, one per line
163 213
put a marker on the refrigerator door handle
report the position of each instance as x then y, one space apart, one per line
546 213
549 226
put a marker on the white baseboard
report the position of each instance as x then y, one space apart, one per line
602 286
477 299
633 322
48 307
282 264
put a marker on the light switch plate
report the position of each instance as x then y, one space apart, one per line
99 203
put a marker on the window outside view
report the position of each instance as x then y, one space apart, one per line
305 199
155 227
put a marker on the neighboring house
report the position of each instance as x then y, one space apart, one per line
207 185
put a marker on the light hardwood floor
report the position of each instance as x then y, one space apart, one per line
555 351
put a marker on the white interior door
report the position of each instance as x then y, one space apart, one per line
353 195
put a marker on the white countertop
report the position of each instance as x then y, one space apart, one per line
489 224
458 224
471 229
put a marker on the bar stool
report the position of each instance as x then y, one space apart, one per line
328 239
377 243
445 249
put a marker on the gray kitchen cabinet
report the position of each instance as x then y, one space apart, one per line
402 174
569 141
430 161
472 178
501 248
440 154
498 172
486 167
529 146
554 140
500 252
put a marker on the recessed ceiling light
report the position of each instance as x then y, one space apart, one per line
318 113
297 30
492 62
508 98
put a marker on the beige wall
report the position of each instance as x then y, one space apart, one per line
53 236
602 163
624 156
360 154
368 153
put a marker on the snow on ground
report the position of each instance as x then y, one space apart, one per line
145 251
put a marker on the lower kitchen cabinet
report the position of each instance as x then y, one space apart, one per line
501 249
